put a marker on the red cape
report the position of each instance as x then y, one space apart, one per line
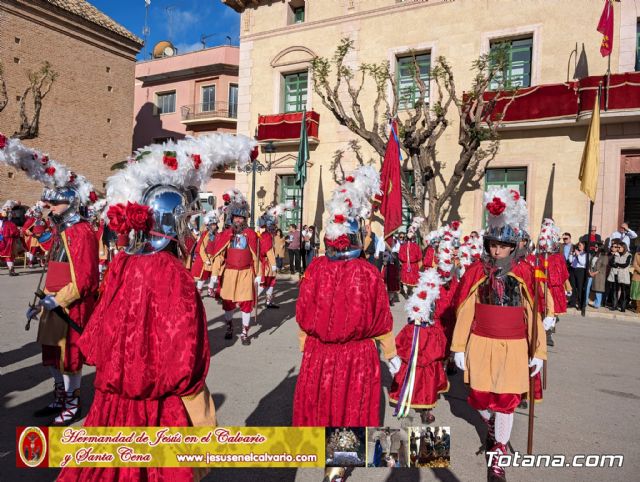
9 233
224 238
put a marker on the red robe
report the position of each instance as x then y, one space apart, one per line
199 270
429 258
10 234
341 307
557 274
148 341
410 256
82 252
431 379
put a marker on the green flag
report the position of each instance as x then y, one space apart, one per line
303 152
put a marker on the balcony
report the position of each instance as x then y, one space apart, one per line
209 112
284 129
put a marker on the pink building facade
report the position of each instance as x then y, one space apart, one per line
188 94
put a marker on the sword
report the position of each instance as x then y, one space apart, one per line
546 289
58 310
255 290
27 327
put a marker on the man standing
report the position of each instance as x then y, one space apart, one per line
202 259
235 262
410 256
624 234
268 255
9 235
592 238
294 249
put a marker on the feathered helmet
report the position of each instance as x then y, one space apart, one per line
549 239
507 215
157 191
95 210
470 250
211 218
350 202
414 227
269 220
235 204
62 185
7 207
35 210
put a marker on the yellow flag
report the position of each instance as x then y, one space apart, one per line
591 155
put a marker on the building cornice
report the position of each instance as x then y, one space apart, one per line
183 74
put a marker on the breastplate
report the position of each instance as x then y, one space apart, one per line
239 242
509 295
58 251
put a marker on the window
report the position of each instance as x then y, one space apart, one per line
166 102
233 101
298 15
407 214
289 191
518 69
208 98
513 178
295 91
637 46
408 89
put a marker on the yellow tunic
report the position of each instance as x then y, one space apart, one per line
237 285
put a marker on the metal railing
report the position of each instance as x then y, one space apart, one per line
208 110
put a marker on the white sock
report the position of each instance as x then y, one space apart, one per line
246 319
71 382
504 424
10 264
486 414
199 284
30 257
260 290
55 373
228 315
211 283
270 291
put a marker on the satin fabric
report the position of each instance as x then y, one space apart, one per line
410 256
148 341
341 306
496 402
10 234
199 270
429 257
558 275
432 350
83 255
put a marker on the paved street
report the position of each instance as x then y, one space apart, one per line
591 405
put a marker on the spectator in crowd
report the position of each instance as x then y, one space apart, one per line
624 234
294 249
310 244
566 247
369 244
635 280
381 248
593 259
578 260
620 276
474 235
279 248
593 237
599 273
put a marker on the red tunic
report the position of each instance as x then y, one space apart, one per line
82 253
558 275
10 234
341 307
432 350
410 256
429 260
199 269
266 245
148 341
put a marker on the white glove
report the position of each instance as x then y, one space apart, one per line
32 312
458 359
549 322
536 364
394 365
48 302
568 293
258 280
274 269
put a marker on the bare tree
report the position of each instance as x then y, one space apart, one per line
4 98
40 83
479 111
336 168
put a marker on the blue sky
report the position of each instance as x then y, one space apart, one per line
180 21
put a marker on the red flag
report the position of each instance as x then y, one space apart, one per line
391 200
605 27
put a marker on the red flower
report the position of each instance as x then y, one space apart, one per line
44 160
139 217
50 170
350 179
422 295
118 219
169 159
416 308
196 160
349 203
254 153
465 239
93 197
226 198
496 206
455 225
340 243
339 218
516 194
72 177
34 155
3 141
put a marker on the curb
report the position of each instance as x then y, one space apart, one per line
630 316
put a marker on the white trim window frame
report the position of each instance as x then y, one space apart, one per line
208 98
396 53
163 104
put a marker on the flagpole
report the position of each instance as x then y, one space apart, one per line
303 258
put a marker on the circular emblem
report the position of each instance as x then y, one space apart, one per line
33 446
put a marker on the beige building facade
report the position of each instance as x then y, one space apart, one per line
554 47
85 120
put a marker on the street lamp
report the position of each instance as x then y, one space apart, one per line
256 166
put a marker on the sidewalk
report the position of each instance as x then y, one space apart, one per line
628 315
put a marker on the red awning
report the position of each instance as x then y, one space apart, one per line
286 127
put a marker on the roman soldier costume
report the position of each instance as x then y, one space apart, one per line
37 235
341 309
494 325
236 264
153 373
9 236
268 222
203 253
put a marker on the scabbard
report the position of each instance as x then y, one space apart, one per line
58 310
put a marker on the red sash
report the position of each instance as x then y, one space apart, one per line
238 259
58 276
500 322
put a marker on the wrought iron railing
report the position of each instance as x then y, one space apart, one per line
207 110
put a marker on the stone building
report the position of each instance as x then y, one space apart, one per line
86 118
555 60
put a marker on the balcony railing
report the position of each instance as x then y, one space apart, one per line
208 111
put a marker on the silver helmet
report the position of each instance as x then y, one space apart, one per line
171 208
63 195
